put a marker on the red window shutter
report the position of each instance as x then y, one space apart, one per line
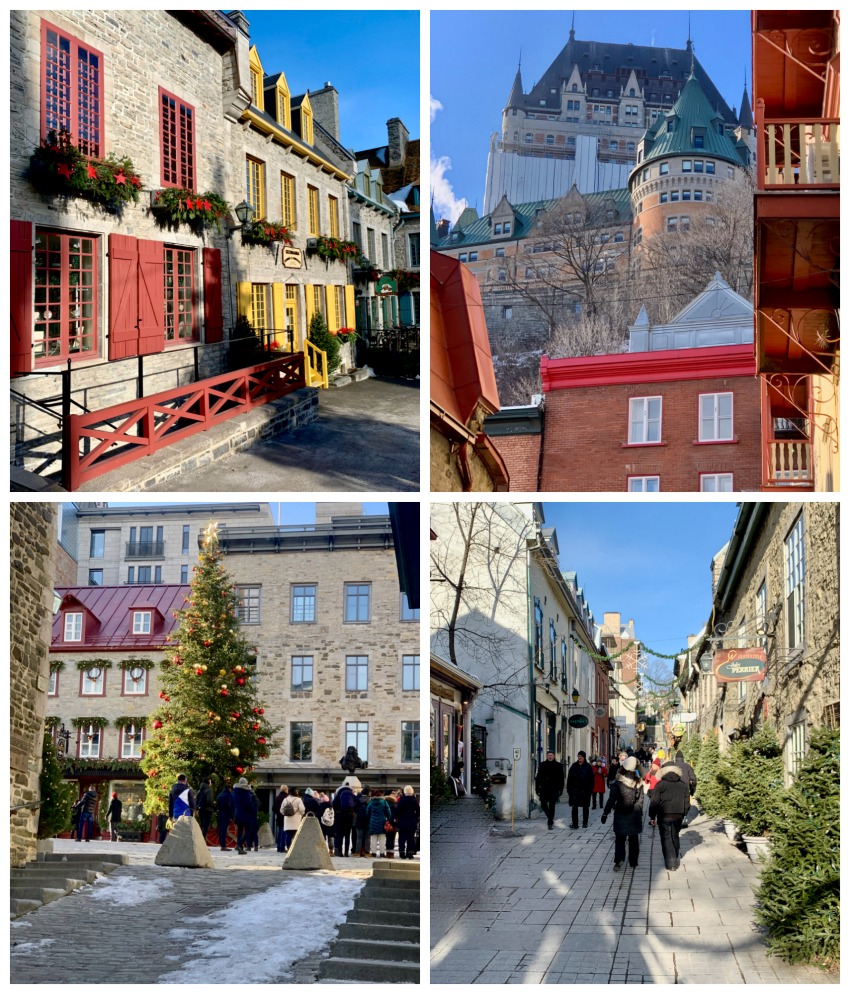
21 297
151 297
213 321
123 296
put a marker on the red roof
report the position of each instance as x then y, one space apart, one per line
108 623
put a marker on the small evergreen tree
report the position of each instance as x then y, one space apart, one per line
481 783
440 790
751 780
798 898
324 340
57 796
211 722
709 793
690 750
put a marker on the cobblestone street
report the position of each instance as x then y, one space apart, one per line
548 907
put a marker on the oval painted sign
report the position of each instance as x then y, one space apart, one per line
577 721
733 665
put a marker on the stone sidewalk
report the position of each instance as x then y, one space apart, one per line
81 937
548 907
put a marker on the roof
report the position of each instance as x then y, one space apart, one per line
111 607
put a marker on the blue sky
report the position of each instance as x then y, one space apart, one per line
284 512
474 57
649 561
371 57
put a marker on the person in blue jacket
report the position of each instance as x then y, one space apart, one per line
224 814
243 814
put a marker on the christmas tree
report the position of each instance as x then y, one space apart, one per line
709 793
211 722
57 796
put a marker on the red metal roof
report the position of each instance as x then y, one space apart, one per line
108 622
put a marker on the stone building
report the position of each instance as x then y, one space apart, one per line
33 528
374 218
619 639
776 589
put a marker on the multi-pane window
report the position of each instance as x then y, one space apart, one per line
385 250
141 622
410 672
145 574
72 97
177 133
357 735
248 605
255 186
357 234
131 742
301 741
318 299
358 602
53 684
313 211
644 484
715 482
302 673
184 573
538 633
356 673
184 549
95 577
413 246
715 417
287 200
179 296
303 602
65 302
256 87
89 742
553 651
135 680
370 243
408 613
795 585
796 746
333 217
410 742
73 626
261 306
290 311
644 420
93 682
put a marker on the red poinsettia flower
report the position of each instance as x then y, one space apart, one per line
120 179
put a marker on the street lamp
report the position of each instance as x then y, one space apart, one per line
575 696
63 739
244 213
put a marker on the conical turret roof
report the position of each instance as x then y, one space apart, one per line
516 97
745 118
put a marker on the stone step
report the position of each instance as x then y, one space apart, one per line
369 971
43 895
380 933
401 871
376 949
39 871
390 882
55 880
363 916
119 858
23 906
370 903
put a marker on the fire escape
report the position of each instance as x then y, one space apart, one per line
797 334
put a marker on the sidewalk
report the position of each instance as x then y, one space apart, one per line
548 907
83 937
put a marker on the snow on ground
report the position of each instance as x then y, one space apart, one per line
257 940
118 892
31 947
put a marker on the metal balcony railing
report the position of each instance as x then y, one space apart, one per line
145 550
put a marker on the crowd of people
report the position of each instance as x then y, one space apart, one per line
666 783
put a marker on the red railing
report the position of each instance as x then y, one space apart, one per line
100 441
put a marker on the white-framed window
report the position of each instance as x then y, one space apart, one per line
89 742
53 684
795 584
248 605
410 672
715 482
303 603
358 602
761 614
410 742
135 680
644 420
141 622
644 484
408 613
357 735
302 674
131 742
715 417
795 743
93 682
74 626
356 673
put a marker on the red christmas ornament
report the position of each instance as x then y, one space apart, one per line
239 769
199 671
162 693
260 711
64 170
223 693
255 710
261 740
255 727
157 724
207 642
120 179
240 681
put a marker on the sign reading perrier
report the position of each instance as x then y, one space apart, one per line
385 286
740 665
577 720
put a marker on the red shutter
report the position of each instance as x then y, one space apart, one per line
123 296
151 297
213 322
21 297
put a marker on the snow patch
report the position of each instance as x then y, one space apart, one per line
31 947
129 891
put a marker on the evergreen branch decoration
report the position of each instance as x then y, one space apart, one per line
135 663
52 721
57 665
84 665
135 720
90 722
75 765
175 206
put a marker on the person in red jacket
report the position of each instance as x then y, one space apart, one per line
600 773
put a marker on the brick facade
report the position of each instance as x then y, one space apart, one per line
522 457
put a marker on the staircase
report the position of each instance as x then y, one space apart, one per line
54 875
379 940
315 365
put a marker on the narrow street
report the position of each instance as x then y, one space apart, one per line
548 907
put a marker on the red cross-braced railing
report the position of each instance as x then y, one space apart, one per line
100 441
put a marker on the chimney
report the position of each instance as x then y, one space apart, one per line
240 20
398 137
325 104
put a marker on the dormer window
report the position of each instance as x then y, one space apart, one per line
256 69
307 122
142 622
283 105
497 229
73 626
506 227
698 137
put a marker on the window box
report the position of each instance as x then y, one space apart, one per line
333 249
265 233
174 206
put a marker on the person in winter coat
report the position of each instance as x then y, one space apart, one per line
690 778
379 814
669 803
580 788
651 778
615 767
361 823
181 799
224 814
243 813
599 774
311 803
254 824
206 807
344 806
113 816
161 827
407 817
293 814
327 830
549 784
277 806
351 762
626 801
390 797
87 808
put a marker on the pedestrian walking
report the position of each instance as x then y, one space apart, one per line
326 820
88 807
668 805
407 817
626 801
599 774
113 816
161 827
651 778
254 823
379 817
293 814
243 814
277 805
549 784
690 778
580 788
616 764
361 823
390 797
224 814
344 806
206 807
181 799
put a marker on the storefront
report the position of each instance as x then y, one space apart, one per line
452 693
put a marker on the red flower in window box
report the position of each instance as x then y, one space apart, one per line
120 179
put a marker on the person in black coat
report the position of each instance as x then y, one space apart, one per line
549 784
345 806
113 816
224 813
205 806
580 788
689 776
361 822
670 801
407 817
626 801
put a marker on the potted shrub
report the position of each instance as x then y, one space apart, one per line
753 780
709 794
324 340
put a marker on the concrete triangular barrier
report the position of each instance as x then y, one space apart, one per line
308 851
265 836
185 846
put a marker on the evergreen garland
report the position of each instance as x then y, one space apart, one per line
799 894
57 796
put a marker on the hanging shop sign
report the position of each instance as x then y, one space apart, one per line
386 286
292 258
740 665
578 720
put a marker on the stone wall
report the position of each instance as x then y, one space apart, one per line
33 542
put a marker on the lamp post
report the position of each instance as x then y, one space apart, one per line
63 739
245 215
